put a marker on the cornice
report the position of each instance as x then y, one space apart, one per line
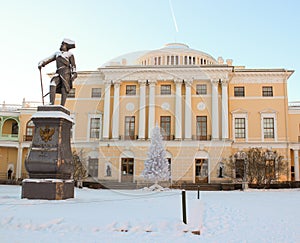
167 73
276 75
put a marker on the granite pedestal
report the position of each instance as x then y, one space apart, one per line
50 162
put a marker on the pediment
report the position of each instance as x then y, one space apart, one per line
238 111
268 110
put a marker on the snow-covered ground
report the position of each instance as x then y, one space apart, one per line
144 216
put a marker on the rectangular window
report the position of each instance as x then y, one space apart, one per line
201 168
239 91
130 89
201 89
267 91
95 128
268 127
165 89
201 129
165 124
93 167
127 167
129 127
96 92
239 128
71 93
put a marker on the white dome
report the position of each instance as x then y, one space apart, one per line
170 54
176 54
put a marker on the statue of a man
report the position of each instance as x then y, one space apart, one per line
61 82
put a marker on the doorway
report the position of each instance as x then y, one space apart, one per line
127 169
201 170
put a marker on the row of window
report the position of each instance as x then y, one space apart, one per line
267 91
165 124
165 89
127 167
240 127
174 60
201 127
201 168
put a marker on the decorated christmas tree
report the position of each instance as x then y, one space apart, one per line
157 165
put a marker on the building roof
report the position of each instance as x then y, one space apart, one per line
169 54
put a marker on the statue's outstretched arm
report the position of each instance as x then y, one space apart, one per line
47 60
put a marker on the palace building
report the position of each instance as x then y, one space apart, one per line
208 110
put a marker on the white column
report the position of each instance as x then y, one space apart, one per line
151 117
296 164
116 111
215 109
188 111
106 118
178 110
19 163
142 109
225 109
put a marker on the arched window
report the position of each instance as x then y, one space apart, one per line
29 131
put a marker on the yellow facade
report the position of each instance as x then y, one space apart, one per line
208 110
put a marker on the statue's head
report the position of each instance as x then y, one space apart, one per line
67 44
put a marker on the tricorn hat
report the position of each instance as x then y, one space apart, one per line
70 43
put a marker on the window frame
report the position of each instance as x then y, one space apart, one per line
130 89
29 130
239 91
166 89
72 93
201 89
129 132
93 167
201 127
95 94
90 127
269 128
240 128
267 91
165 126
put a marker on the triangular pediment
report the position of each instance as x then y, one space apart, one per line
268 110
238 111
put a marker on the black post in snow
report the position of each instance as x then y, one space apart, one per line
184 207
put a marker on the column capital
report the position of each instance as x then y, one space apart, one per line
224 81
152 82
178 81
142 81
215 81
117 83
108 82
188 83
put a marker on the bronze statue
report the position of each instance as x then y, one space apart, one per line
61 82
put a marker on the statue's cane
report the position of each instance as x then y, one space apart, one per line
42 85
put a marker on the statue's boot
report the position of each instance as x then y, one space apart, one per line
63 96
52 94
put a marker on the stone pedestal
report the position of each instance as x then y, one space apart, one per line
48 189
50 162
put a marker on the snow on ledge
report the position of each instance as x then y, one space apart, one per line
52 114
47 180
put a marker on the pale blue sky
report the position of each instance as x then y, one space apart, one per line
256 33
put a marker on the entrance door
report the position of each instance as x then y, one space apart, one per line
201 170
127 169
